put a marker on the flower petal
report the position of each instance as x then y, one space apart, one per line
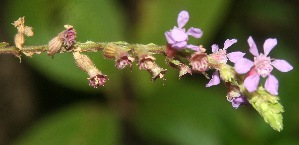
237 101
243 65
252 47
251 82
183 18
271 85
234 56
269 45
282 65
215 79
169 38
215 48
193 47
178 34
195 32
228 43
179 45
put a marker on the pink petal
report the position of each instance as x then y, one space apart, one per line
195 32
215 48
282 65
178 34
215 79
169 38
243 65
193 47
271 85
252 47
251 83
234 56
269 45
183 18
228 43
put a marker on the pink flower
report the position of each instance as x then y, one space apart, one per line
178 37
261 66
220 56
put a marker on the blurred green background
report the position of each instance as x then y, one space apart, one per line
48 101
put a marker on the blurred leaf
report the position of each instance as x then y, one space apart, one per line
79 124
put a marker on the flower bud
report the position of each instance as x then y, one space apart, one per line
55 44
199 62
96 77
109 51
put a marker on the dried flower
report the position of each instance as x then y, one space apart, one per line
22 30
121 56
262 66
148 63
66 38
178 37
123 61
97 81
96 77
69 36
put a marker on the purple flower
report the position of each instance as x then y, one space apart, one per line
178 37
237 101
261 66
220 56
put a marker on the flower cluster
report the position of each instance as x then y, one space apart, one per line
242 80
200 61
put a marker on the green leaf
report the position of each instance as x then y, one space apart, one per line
78 124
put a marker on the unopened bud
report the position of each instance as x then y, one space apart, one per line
199 62
55 44
109 51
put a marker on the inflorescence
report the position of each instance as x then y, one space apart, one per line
242 79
